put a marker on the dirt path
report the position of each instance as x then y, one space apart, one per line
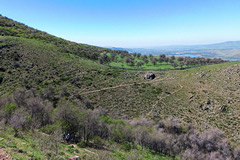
86 150
122 85
91 152
4 156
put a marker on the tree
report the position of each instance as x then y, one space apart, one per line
166 59
181 64
100 60
171 61
129 61
180 59
154 61
151 56
162 56
139 55
113 56
145 61
172 58
140 63
104 59
174 65
161 59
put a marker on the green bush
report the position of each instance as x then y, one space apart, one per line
9 109
98 141
82 144
127 146
50 128
109 120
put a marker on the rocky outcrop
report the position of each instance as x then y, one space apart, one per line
149 76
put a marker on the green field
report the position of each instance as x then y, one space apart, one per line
121 63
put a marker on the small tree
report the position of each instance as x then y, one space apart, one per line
180 59
166 59
172 58
181 64
175 65
154 61
140 63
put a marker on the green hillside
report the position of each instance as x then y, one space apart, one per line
49 86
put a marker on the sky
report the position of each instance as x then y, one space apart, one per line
130 23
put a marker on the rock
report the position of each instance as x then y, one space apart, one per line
208 102
1 79
191 97
202 74
2 70
150 76
75 158
167 92
224 108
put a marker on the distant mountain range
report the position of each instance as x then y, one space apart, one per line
229 50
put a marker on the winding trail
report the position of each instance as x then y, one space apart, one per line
121 85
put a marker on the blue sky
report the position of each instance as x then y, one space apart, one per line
131 23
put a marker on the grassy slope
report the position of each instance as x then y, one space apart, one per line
9 27
37 145
196 95
205 96
40 65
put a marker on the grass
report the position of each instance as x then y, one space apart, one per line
194 95
41 146
43 68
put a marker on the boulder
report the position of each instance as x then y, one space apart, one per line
1 79
149 76
75 158
2 69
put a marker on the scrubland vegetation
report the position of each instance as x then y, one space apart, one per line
93 128
49 86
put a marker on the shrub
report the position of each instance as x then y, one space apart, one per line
20 119
50 128
141 122
9 109
127 146
98 142
236 153
82 144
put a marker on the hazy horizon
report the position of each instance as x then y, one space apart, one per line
132 23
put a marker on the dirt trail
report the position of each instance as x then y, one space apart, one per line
86 150
91 152
123 85
4 156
